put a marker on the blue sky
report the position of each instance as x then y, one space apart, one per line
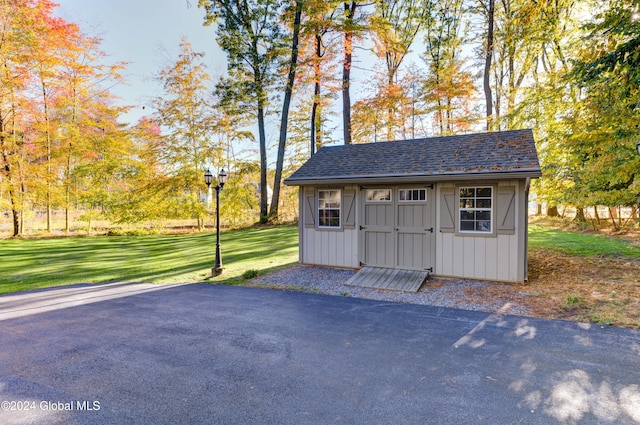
146 34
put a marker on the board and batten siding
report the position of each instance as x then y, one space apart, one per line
500 256
328 247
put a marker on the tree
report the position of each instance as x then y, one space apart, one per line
372 114
368 120
317 55
56 39
351 28
187 117
15 18
51 94
240 200
150 196
448 87
488 7
284 118
102 174
605 120
395 26
549 102
88 133
513 39
250 33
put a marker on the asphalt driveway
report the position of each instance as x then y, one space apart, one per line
206 354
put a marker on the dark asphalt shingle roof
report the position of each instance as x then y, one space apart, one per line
467 154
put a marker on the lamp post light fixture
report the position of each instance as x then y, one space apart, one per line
222 179
208 178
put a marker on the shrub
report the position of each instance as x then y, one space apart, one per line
250 274
573 299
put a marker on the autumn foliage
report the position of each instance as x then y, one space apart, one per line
302 74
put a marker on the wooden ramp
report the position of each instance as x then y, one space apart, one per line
392 279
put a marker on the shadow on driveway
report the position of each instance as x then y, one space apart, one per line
168 354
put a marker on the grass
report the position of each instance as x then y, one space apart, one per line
572 275
39 263
578 243
573 299
583 276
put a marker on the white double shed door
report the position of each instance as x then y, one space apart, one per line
397 227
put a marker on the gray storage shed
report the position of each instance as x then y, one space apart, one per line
455 206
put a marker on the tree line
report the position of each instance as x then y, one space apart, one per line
566 68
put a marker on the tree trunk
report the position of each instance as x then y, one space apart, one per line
261 97
350 10
315 121
49 165
552 211
487 64
23 192
390 114
263 165
273 213
316 110
612 216
67 194
15 211
580 218
538 209
450 129
16 220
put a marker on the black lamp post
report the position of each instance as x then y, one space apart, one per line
222 179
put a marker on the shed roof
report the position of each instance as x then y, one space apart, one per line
504 154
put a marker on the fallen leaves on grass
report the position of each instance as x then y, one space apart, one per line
592 289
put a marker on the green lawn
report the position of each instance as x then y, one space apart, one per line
583 244
38 263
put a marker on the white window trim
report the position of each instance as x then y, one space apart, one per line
492 230
339 209
378 201
413 201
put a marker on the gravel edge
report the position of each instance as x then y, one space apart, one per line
450 293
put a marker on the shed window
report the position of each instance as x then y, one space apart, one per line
378 195
329 208
409 195
476 209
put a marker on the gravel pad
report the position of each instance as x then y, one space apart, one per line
452 293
